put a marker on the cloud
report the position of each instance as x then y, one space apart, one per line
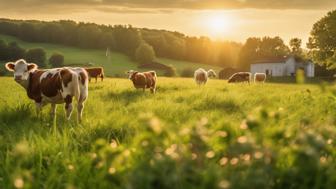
154 6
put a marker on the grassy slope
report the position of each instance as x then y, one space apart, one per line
118 64
159 136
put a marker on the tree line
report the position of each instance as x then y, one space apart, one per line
125 39
13 51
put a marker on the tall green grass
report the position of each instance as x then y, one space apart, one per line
215 136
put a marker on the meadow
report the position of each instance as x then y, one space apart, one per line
215 136
115 66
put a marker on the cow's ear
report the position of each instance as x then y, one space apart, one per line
10 66
32 67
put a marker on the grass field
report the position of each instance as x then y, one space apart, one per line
215 136
117 65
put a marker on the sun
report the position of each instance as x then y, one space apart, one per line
217 25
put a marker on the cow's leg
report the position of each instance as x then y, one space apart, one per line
80 107
53 111
68 106
38 108
102 77
96 78
89 78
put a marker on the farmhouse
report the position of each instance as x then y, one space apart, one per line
286 66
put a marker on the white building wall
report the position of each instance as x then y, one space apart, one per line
310 70
290 67
274 69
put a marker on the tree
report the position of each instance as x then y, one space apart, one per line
15 52
56 60
322 42
295 46
261 48
3 50
145 53
36 55
187 72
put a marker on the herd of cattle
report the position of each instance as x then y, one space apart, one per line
61 85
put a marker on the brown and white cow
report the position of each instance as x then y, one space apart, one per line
240 77
143 80
54 86
95 73
259 77
201 76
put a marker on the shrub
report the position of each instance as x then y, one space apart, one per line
187 72
144 53
56 60
170 72
36 55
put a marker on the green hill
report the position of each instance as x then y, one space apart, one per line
117 65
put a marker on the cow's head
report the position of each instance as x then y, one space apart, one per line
131 74
21 69
212 73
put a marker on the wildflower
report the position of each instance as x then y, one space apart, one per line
155 125
114 144
71 167
223 161
210 154
224 184
258 155
144 143
193 156
242 139
111 170
221 134
244 125
329 141
18 183
234 161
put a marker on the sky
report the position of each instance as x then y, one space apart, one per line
233 20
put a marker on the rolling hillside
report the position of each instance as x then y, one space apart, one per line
117 66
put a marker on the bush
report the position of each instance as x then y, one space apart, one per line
37 56
56 60
170 72
187 72
226 73
144 54
15 52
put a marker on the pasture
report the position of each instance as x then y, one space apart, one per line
215 136
115 66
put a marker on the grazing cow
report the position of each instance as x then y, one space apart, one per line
95 73
54 86
201 76
143 80
240 77
259 77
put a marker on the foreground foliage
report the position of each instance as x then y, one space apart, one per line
215 136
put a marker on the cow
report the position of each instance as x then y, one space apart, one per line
240 77
201 76
259 77
143 80
54 86
95 73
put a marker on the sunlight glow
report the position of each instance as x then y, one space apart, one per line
218 24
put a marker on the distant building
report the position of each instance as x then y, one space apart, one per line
281 67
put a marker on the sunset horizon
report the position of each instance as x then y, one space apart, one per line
227 22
